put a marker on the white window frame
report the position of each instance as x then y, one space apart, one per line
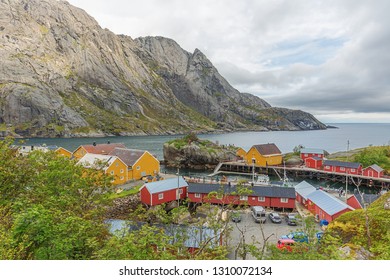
342 168
197 195
112 172
244 197
261 198
284 200
122 171
180 191
161 196
121 178
138 167
353 170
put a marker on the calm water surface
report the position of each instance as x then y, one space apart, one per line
331 140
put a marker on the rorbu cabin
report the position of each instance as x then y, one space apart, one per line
140 163
164 191
354 168
310 153
314 162
373 171
264 155
361 201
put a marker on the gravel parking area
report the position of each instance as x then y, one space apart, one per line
252 231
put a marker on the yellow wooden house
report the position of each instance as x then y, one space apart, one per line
110 165
139 163
264 155
241 153
100 149
64 152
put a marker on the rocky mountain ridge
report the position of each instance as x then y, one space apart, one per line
62 75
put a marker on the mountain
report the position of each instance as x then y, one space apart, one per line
62 75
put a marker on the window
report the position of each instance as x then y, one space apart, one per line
138 167
161 196
353 170
116 163
261 198
121 178
197 195
283 200
327 167
180 191
112 172
243 197
306 155
121 170
342 168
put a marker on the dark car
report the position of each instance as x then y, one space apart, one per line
275 218
291 219
236 216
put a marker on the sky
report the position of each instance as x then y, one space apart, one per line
329 58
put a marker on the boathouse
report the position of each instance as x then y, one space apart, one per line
164 191
354 168
302 191
310 153
373 171
264 155
100 149
139 163
266 196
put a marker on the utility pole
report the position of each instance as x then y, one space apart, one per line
253 170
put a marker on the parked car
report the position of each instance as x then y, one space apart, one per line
285 244
291 219
235 216
275 218
258 213
296 236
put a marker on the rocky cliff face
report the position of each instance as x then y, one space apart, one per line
63 75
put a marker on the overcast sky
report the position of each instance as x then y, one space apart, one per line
330 58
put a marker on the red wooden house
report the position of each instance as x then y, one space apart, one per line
358 201
373 171
309 153
320 203
164 191
313 162
342 167
272 197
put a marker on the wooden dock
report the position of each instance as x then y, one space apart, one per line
300 172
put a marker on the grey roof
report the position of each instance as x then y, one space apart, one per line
128 156
304 189
165 185
191 236
266 191
376 167
316 158
327 202
312 151
342 163
367 198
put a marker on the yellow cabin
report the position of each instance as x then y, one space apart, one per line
100 149
64 152
264 155
111 165
139 163
241 153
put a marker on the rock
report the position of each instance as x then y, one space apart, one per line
63 75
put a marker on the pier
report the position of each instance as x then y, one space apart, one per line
300 172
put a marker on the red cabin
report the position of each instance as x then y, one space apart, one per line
164 191
342 167
272 197
373 171
310 153
358 201
313 162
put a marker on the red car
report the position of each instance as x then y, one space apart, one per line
285 244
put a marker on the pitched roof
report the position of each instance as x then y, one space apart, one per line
315 158
267 149
165 185
367 198
304 189
128 156
342 163
266 191
312 151
327 202
97 161
102 149
377 168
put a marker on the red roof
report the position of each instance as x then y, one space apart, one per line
267 149
102 149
